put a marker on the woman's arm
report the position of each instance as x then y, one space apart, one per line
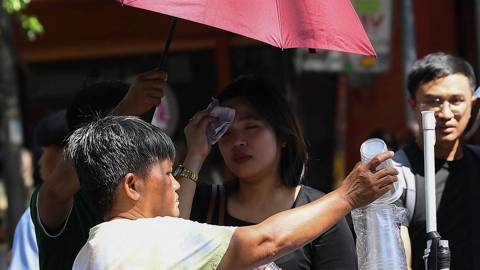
197 151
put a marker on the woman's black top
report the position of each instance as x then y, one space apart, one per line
335 249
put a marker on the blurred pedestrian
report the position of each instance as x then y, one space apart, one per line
444 84
61 210
50 134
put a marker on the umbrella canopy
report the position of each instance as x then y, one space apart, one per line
318 24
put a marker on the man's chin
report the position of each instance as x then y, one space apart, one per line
446 138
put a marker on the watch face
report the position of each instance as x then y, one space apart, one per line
177 171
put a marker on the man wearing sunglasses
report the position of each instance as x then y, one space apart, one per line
444 84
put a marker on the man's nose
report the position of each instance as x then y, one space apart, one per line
445 111
176 184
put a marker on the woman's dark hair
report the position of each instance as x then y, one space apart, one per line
273 106
435 66
107 149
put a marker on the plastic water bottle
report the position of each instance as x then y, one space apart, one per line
377 225
379 245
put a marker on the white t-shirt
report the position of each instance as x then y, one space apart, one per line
154 243
24 248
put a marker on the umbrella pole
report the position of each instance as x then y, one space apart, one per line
152 112
167 43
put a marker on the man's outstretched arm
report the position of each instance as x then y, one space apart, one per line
276 236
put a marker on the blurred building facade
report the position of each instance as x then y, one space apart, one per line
87 39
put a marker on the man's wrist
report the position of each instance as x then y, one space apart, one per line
344 199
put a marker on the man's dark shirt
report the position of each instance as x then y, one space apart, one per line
454 181
58 250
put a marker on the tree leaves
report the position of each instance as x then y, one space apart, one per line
30 24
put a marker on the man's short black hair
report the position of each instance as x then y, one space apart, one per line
95 99
105 150
435 66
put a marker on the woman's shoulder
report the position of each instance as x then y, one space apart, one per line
308 194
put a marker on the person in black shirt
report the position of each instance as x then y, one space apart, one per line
443 84
265 151
61 210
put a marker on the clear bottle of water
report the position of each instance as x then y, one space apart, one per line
377 225
379 245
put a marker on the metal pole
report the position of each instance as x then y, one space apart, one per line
409 51
339 156
428 123
437 253
477 22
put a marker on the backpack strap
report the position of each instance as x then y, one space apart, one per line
405 174
211 204
474 187
474 148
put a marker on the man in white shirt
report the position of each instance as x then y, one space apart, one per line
125 165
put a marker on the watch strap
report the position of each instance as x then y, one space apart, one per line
184 172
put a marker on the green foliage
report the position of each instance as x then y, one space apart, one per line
12 6
30 24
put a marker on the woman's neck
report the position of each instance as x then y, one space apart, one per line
260 188
255 201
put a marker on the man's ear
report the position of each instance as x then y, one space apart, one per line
130 186
474 99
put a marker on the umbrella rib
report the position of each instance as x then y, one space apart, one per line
279 24
127 2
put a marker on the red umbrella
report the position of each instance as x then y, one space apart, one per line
317 24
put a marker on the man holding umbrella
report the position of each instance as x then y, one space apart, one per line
60 211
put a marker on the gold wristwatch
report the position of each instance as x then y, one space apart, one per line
182 171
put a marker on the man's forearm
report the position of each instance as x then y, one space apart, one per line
294 228
284 232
